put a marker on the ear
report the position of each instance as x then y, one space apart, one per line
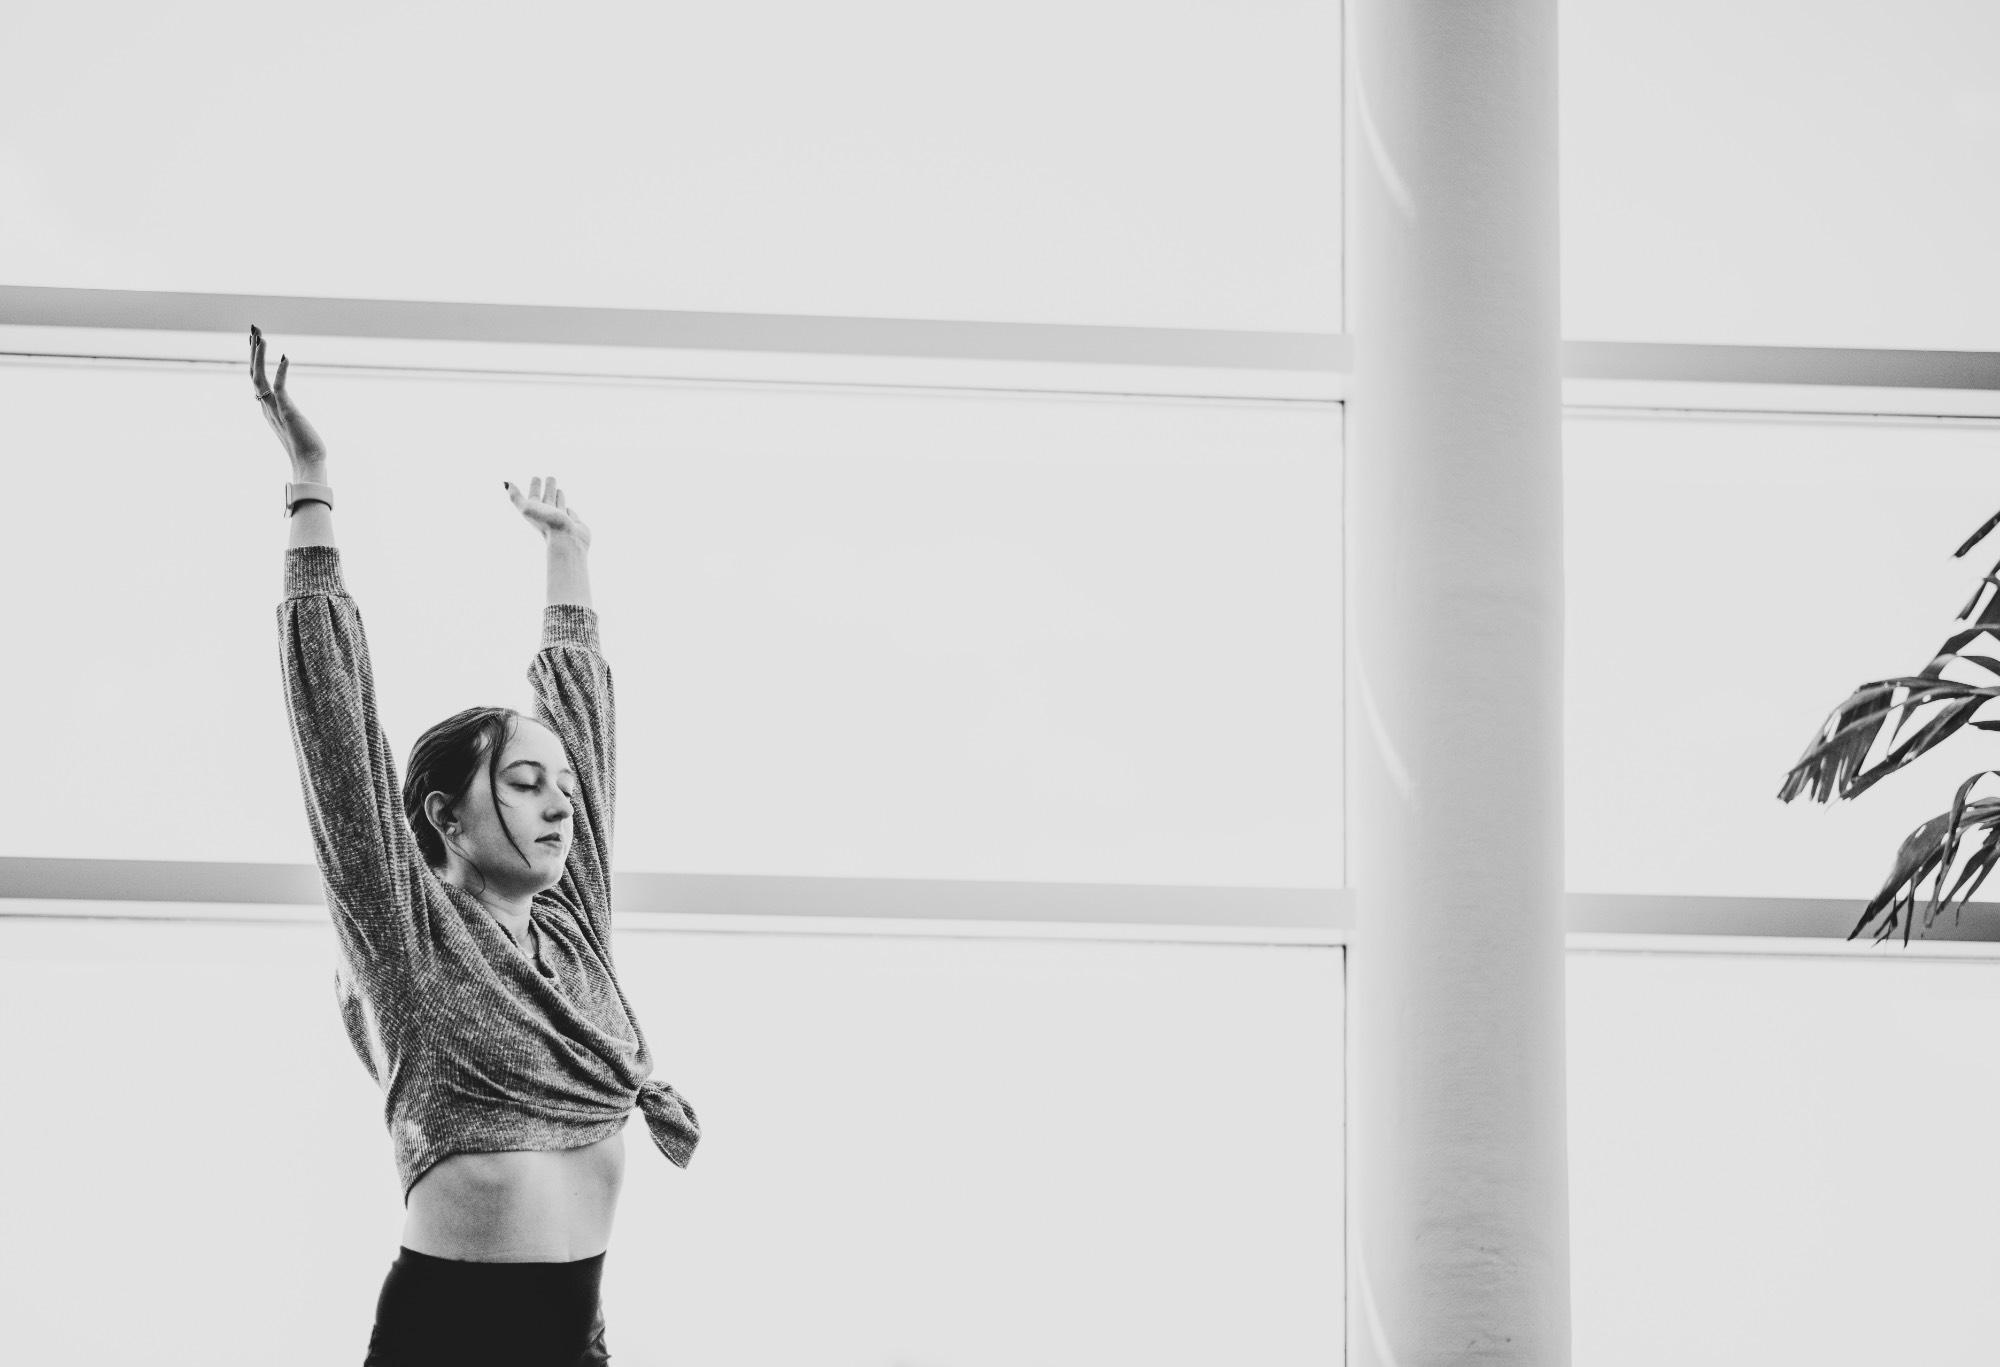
437 811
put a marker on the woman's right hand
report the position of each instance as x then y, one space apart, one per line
307 451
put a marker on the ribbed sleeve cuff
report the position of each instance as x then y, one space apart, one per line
311 570
569 624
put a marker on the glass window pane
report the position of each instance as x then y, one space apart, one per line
1064 161
927 1150
854 635
1781 172
1730 583
1775 1159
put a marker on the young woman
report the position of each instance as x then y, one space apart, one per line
475 980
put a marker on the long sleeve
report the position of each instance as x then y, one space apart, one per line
367 855
572 685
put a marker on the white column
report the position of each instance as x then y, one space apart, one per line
1458 1164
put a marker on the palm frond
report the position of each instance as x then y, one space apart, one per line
1835 764
1931 847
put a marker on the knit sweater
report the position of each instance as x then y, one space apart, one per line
475 1049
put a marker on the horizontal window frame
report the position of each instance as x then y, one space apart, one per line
1299 366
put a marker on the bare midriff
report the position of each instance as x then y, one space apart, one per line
518 1206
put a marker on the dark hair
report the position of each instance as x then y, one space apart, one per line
445 759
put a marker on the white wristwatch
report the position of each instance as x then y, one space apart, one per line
296 494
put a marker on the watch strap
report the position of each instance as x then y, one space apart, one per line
298 493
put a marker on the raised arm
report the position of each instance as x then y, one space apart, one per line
366 854
572 685
312 520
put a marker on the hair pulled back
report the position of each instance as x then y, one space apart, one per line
446 759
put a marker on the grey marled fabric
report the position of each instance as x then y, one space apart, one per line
475 1050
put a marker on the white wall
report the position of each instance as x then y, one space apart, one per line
916 1151
854 635
1783 1159
1799 172
937 1151
1780 172
1076 161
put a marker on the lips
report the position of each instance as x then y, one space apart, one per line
549 840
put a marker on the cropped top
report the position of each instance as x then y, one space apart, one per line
475 1049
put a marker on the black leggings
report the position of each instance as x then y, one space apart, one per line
440 1312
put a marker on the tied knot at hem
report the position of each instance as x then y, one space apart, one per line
670 1120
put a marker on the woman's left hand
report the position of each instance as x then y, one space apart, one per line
544 507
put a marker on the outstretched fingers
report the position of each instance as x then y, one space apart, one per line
541 492
545 506
262 385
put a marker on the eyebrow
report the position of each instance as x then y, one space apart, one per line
538 764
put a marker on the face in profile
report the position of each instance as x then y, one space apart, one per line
537 791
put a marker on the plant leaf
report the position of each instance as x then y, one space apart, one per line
1988 525
1931 846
